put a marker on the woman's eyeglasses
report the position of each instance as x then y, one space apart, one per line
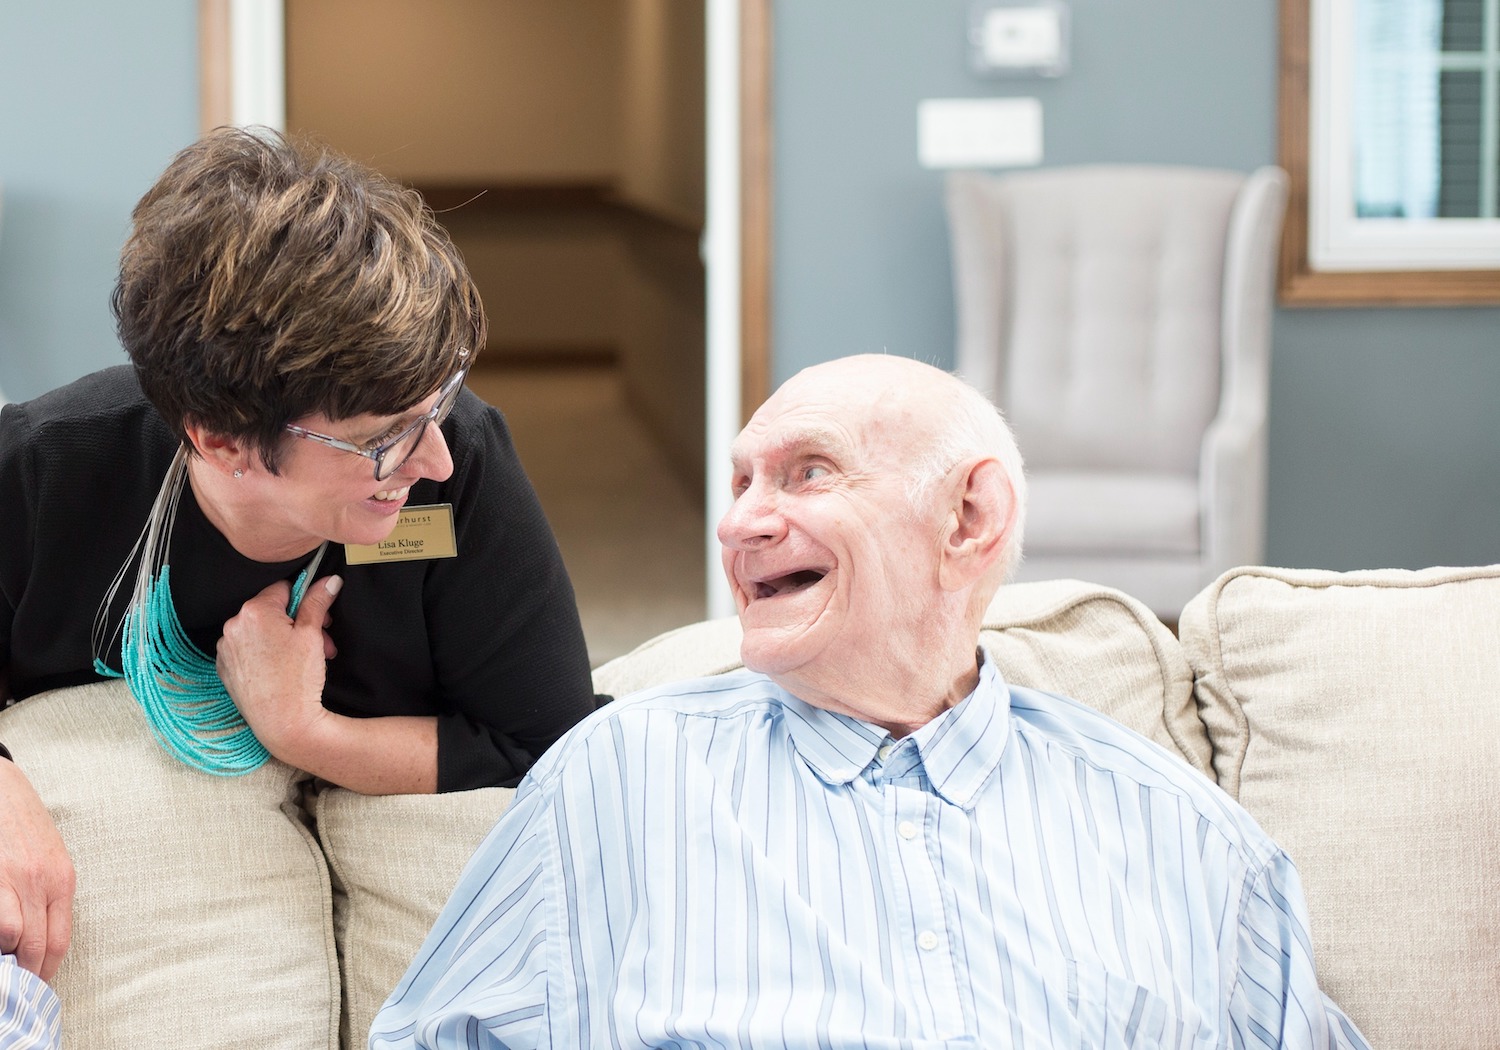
392 454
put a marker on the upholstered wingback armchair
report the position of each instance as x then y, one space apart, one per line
1120 316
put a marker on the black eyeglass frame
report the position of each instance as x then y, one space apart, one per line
447 397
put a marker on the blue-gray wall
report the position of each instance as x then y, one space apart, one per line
1385 446
1385 424
94 99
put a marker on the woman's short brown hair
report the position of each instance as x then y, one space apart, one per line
265 280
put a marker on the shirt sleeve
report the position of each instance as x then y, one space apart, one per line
1276 1000
480 979
30 1015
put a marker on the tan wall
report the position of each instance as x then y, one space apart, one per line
662 352
461 90
662 172
662 156
551 280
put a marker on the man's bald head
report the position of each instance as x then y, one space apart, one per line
878 505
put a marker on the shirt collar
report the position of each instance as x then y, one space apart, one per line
960 748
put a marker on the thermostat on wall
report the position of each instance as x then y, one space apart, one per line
1019 37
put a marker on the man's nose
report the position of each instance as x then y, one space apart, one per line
753 520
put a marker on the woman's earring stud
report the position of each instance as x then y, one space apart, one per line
239 473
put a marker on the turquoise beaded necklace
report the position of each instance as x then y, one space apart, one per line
177 685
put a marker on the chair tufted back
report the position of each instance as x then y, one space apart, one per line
1095 317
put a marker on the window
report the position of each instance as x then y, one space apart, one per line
1390 124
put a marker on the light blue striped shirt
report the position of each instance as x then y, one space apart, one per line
30 1016
718 864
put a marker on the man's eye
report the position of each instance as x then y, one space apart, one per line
814 471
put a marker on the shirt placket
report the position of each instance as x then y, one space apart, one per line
924 931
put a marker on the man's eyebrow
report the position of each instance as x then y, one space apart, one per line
801 440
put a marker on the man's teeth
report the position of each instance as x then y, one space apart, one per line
389 494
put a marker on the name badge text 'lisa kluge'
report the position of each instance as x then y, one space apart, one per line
421 533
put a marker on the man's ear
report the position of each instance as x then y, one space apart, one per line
976 529
224 454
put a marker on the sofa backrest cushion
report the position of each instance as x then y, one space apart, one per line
1089 642
1104 648
203 914
395 860
1355 716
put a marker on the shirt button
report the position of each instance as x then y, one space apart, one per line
907 829
927 940
884 752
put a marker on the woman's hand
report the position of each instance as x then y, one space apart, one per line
274 667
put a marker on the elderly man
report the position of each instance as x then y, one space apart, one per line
867 838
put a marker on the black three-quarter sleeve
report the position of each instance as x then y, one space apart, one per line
508 648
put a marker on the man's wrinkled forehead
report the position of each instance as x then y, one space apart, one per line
832 411
782 437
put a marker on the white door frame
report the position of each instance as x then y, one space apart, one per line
721 263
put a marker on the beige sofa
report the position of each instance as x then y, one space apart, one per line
1356 715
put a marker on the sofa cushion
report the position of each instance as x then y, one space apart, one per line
203 915
1355 716
395 859
700 649
1103 647
1089 642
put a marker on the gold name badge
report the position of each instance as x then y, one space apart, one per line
420 533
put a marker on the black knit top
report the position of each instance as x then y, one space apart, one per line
489 641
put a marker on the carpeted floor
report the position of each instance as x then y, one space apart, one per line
632 536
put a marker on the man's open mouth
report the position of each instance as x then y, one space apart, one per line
788 584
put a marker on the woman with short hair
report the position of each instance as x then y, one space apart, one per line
287 516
